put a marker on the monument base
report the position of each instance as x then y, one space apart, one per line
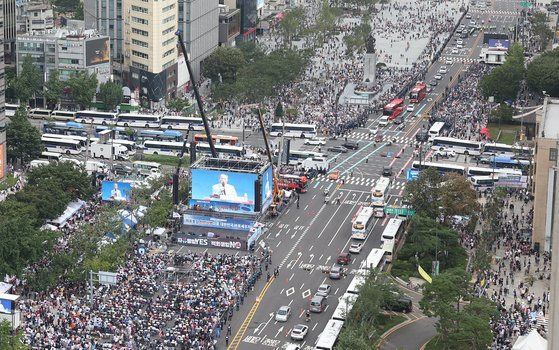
370 69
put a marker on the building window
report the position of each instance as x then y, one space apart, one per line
139 31
168 64
553 154
167 8
167 53
169 41
169 19
139 43
140 20
168 30
139 9
140 54
139 65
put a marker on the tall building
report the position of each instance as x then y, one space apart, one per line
105 16
2 103
199 23
249 19
34 16
9 12
150 50
229 25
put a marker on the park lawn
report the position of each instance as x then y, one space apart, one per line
385 322
10 181
166 160
508 134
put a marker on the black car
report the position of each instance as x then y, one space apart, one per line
398 120
401 304
387 171
464 35
422 136
351 145
120 169
338 149
433 82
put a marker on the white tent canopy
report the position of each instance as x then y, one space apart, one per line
531 341
71 209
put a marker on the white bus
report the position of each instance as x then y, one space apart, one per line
63 115
81 139
11 109
435 130
362 223
356 284
222 150
504 150
59 145
329 336
297 157
295 130
103 118
345 304
168 148
375 261
466 147
138 120
388 248
484 181
130 145
50 156
392 232
478 171
146 168
379 196
39 113
442 168
181 123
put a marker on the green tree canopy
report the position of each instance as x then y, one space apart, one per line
29 82
23 139
503 82
54 88
83 86
540 28
292 24
111 94
423 194
457 196
543 73
64 176
224 63
177 104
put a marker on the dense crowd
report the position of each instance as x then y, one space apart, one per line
15 188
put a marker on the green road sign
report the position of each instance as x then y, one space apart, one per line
399 211
525 4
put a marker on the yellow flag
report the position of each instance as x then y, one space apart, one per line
482 283
424 274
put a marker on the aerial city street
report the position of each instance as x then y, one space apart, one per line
282 175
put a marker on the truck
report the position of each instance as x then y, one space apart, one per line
489 55
92 166
103 151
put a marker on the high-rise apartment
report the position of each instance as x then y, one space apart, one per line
2 102
9 12
150 49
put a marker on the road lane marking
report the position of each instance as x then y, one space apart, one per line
339 228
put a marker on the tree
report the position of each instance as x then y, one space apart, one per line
279 111
64 176
29 82
503 82
457 196
23 139
177 104
54 88
502 114
111 94
540 28
49 201
292 24
223 64
9 341
159 212
422 194
353 339
83 86
543 73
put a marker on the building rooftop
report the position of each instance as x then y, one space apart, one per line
549 127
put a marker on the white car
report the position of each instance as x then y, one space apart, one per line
373 130
319 141
460 46
454 51
283 313
355 248
323 290
460 42
445 154
410 107
472 23
448 61
443 70
299 332
438 77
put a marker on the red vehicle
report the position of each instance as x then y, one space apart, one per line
218 139
418 93
293 182
394 108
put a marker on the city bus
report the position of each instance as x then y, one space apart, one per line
119 132
292 182
168 148
466 147
435 130
69 128
81 139
50 156
218 139
63 115
363 222
392 232
39 113
159 135
509 163
11 109
418 93
138 120
379 196
181 123
297 157
442 168
388 248
375 261
329 336
345 304
504 150
146 168
484 181
94 117
222 150
393 109
58 145
293 130
478 171
355 284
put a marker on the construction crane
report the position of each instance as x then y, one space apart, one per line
276 194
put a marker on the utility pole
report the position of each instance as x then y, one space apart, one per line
281 143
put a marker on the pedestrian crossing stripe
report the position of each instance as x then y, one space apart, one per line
497 12
458 59
355 135
359 181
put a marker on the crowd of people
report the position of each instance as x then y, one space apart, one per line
20 176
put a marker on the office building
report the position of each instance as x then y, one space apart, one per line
9 13
150 49
199 23
229 25
545 175
34 16
249 19
3 169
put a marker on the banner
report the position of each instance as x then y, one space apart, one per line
206 221
211 242
424 274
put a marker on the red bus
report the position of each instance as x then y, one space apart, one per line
394 108
218 139
292 182
418 93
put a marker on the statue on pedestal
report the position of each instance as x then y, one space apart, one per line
370 45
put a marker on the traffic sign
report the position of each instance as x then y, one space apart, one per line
399 211
525 4
412 174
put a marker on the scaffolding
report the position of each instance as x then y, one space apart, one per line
234 165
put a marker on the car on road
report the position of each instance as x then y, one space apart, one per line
448 61
293 347
460 42
438 77
429 88
445 154
334 175
379 138
454 51
344 259
373 130
387 170
398 120
433 82
316 141
422 135
387 154
443 70
399 304
299 332
472 23
351 145
460 46
410 107
323 290
337 149
336 272
283 313
121 169
464 35
468 16
355 248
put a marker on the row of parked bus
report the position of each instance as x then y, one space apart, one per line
475 148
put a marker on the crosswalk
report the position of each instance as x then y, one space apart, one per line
496 12
455 59
356 135
360 181
541 322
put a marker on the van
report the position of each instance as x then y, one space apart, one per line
401 304
318 304
383 121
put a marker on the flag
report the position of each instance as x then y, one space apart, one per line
424 274
482 283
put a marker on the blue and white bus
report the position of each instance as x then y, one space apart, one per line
138 120
442 168
222 150
120 133
94 117
159 135
478 171
69 128
59 145
509 163
504 150
466 147
168 148
295 130
173 122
